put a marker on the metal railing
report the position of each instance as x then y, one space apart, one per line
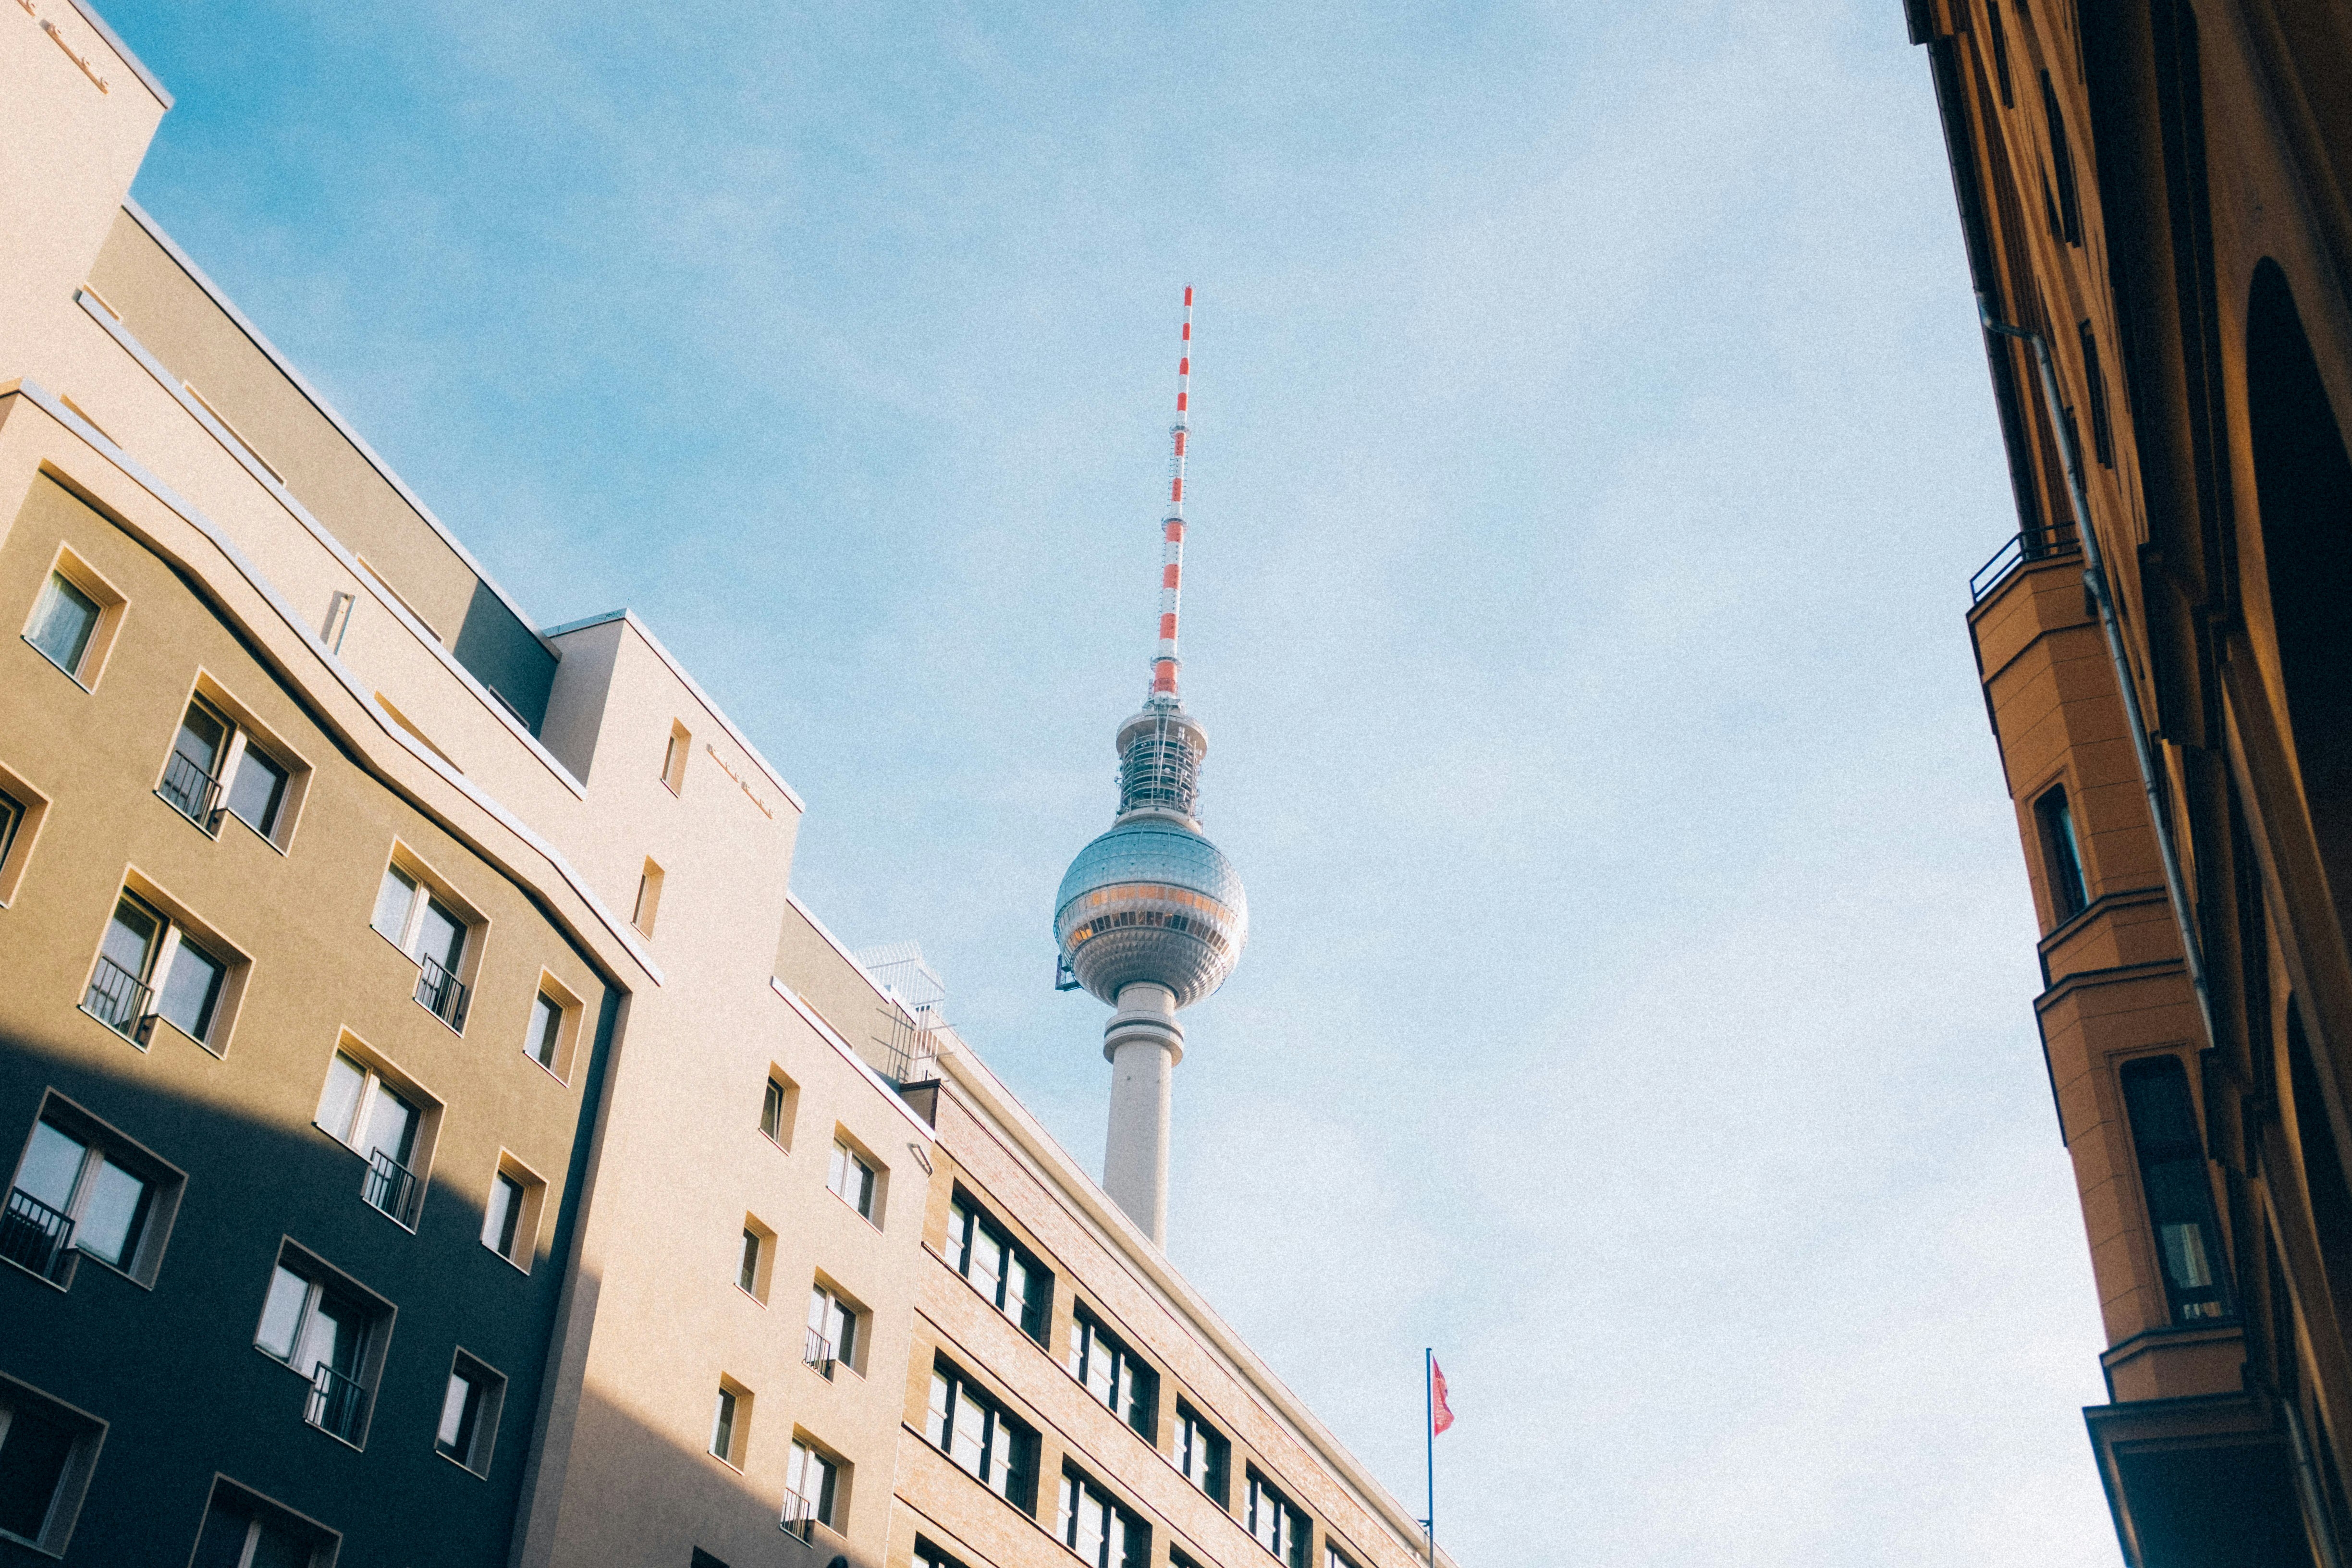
2029 546
36 1235
441 993
116 998
800 1516
189 791
337 1404
818 1351
391 1186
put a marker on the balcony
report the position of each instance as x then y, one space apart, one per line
819 1353
441 993
189 791
391 1186
338 1404
117 998
36 1236
2030 547
800 1516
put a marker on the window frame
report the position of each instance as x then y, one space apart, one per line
646 913
1296 1526
381 1075
857 1319
165 1184
261 1510
428 888
530 1209
784 1093
675 754
570 1018
952 1391
17 841
1079 1487
2151 1157
1215 1480
847 1151
760 1237
71 1487
174 926
2066 872
112 606
1088 1333
731 1423
490 1386
322 1280
832 1501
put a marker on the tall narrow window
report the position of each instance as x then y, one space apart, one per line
12 817
64 617
118 995
999 1269
731 1423
775 1112
2103 435
812 1489
649 893
257 796
191 992
2061 853
192 784
469 1413
2062 155
1999 52
832 1328
546 1030
416 920
504 1216
1274 1524
682 746
2172 1177
325 1331
36 1449
384 1125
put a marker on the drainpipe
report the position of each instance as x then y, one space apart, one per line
2094 580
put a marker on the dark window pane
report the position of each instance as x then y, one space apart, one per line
201 737
192 989
62 622
32 1460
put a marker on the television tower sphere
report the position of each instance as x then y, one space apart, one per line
1153 901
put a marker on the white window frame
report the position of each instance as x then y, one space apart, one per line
846 1157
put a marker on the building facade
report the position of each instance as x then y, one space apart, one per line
2158 226
435 1130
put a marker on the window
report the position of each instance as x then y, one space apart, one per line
469 1413
1274 1524
243 1529
545 1042
1999 52
1202 1453
420 921
1111 1374
2173 1179
757 1260
833 1329
22 807
778 1102
1178 1560
2062 155
46 1453
999 1269
74 619
973 1430
1335 1558
1102 1533
192 773
813 1490
2103 435
64 617
326 1329
731 1423
257 798
649 887
118 995
510 1217
81 1188
929 1556
386 1122
705 1560
852 1179
681 746
2062 853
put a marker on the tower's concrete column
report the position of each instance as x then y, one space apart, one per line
1144 1043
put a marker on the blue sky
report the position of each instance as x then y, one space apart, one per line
1592 443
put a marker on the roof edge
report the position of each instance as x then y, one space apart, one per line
114 41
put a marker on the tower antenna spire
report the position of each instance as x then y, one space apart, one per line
1164 664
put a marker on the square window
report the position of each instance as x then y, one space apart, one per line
154 962
65 619
82 1189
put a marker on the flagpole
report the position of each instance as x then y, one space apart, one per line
1429 1440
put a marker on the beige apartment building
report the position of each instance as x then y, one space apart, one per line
435 1130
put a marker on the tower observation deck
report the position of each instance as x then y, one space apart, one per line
1151 916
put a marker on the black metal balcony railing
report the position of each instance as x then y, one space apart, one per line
116 998
36 1235
337 1404
800 1515
441 993
189 791
391 1186
818 1351
2029 546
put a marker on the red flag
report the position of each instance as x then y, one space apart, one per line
1439 1415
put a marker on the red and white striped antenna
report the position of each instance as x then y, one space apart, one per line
1164 664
